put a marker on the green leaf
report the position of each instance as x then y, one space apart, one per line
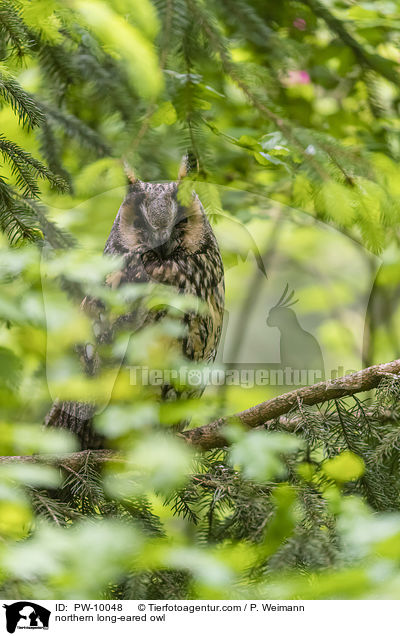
345 467
283 521
10 369
258 454
165 114
32 474
247 142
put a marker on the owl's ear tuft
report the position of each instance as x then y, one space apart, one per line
137 186
130 174
189 165
134 184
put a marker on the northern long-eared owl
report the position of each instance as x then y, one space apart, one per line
172 243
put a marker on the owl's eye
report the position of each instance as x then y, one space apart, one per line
139 222
181 217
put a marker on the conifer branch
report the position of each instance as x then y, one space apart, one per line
22 103
381 65
230 68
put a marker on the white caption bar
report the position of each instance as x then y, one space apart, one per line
154 617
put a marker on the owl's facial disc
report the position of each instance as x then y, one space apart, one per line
161 218
152 219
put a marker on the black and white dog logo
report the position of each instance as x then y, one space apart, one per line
26 615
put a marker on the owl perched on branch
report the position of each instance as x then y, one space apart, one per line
165 241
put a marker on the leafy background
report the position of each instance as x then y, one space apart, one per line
290 106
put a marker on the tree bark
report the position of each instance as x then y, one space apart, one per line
267 413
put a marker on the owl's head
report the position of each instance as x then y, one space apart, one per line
152 218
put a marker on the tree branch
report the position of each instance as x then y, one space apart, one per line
212 436
73 461
269 413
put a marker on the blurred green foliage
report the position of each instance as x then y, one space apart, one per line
290 106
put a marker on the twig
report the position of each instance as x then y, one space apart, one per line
49 510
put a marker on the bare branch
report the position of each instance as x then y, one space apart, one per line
212 436
69 461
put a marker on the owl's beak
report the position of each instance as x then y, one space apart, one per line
162 243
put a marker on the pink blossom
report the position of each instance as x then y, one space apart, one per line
300 24
297 77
